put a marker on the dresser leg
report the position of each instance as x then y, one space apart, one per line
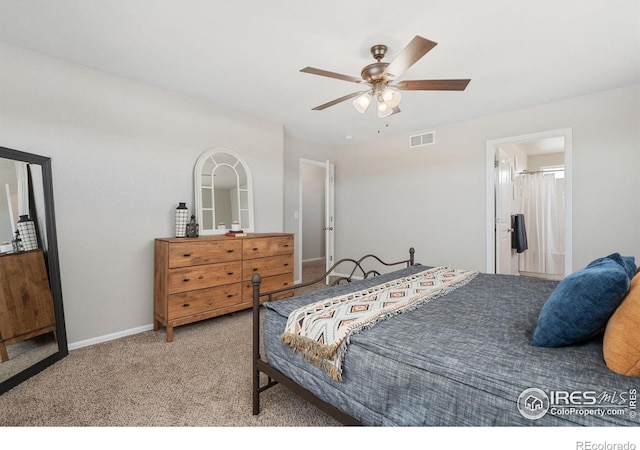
156 324
169 333
4 356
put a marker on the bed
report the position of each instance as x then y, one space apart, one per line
464 358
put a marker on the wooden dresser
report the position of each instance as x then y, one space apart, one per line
26 304
204 277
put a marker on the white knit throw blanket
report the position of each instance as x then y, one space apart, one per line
320 331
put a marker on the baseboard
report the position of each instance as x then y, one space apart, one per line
313 259
346 275
109 337
545 276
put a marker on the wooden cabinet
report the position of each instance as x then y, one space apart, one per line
26 304
204 277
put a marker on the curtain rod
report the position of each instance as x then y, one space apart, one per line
525 172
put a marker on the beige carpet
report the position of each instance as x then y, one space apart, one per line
203 378
26 353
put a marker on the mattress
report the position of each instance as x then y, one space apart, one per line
464 359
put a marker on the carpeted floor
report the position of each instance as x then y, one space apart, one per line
26 353
203 378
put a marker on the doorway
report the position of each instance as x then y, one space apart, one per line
316 220
513 165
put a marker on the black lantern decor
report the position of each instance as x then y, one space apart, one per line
192 227
16 243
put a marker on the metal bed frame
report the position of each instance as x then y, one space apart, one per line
274 376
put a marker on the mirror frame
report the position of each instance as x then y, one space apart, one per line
53 264
198 189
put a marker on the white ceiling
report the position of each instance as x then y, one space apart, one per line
246 54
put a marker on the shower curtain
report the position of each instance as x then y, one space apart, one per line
542 203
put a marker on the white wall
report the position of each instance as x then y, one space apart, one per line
313 212
390 197
123 155
535 162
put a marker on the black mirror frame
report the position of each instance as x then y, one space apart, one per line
53 264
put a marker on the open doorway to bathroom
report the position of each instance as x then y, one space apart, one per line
529 205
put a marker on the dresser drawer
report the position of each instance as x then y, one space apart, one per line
203 300
263 247
269 284
191 253
266 267
199 277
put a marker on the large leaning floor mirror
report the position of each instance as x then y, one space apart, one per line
32 330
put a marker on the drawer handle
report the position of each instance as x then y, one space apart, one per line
255 269
286 245
229 295
229 273
286 284
229 251
255 249
286 264
186 255
186 279
185 305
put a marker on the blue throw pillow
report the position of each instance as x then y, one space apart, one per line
628 263
582 303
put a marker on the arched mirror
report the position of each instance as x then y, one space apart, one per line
223 192
32 330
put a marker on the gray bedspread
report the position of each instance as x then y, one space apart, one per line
460 360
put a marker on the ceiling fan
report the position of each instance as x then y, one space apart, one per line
379 76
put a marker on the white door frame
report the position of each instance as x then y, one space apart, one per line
491 150
503 210
329 194
329 216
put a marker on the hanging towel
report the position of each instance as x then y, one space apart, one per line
519 234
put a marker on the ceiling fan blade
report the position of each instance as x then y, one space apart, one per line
326 73
433 85
338 100
396 110
416 49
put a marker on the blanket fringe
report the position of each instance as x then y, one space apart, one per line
317 354
309 345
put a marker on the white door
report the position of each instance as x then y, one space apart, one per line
329 216
503 202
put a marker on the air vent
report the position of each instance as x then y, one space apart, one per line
419 140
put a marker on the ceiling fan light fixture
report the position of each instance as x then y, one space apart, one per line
391 97
383 109
362 102
379 76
